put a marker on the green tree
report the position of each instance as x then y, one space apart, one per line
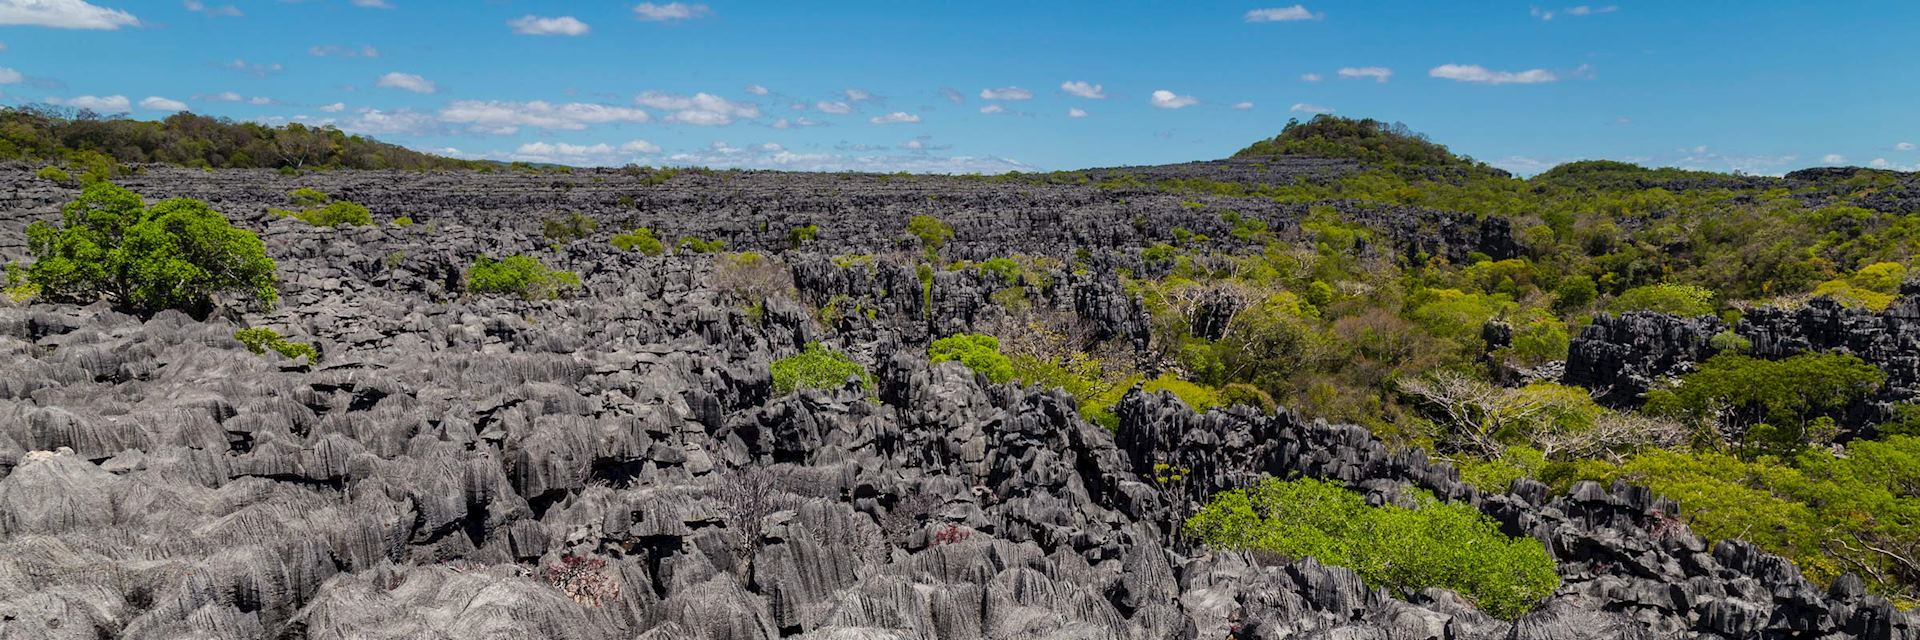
1669 298
1434 544
933 233
1770 406
641 240
177 254
817 367
519 275
980 352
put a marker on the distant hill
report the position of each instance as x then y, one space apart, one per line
39 133
1388 145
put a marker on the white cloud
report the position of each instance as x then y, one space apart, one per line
1904 146
1481 75
833 107
953 96
1169 100
639 146
344 52
757 90
1281 14
563 149
197 6
98 104
870 158
9 76
259 100
669 12
1006 93
373 4
1879 163
1310 77
63 14
398 121
784 123
1833 158
1379 74
1084 89
407 82
1243 106
538 26
1076 112
157 103
1576 11
897 117
256 69
336 107
924 144
506 118
703 109
993 108
858 95
1303 107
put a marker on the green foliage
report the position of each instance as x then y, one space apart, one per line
335 214
568 228
1669 298
640 240
519 275
54 174
1435 544
1770 406
177 254
15 287
403 221
817 367
260 339
39 132
309 197
1367 140
698 245
1006 268
1575 292
1497 474
801 235
1729 341
980 352
1830 514
933 233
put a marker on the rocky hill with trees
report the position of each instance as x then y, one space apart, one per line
1344 384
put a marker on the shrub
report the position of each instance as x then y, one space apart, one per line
1574 292
640 240
802 235
1434 544
177 254
335 214
16 288
403 221
522 276
1830 514
259 339
698 245
1669 298
567 228
817 367
1770 406
933 233
308 197
751 278
54 174
980 352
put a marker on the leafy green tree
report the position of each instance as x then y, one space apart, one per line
640 240
519 275
260 339
933 233
801 235
1666 297
567 228
817 367
177 254
1435 544
698 245
1770 406
980 352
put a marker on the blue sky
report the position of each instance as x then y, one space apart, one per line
1763 87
